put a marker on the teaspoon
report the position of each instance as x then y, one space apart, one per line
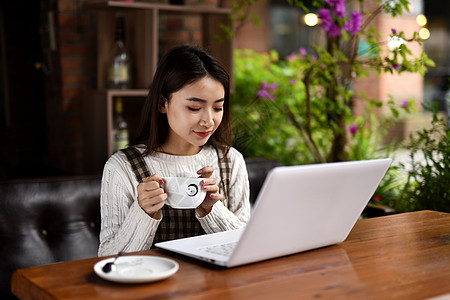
108 267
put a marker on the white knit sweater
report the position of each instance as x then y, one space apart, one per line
125 226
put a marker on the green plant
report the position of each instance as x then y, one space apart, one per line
422 182
298 109
429 178
275 120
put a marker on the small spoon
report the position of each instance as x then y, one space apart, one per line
108 267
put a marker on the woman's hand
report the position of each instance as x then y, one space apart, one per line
209 184
151 195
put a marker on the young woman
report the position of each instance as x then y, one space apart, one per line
184 132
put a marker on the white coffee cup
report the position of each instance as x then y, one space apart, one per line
184 192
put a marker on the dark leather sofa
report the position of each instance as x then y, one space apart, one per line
55 219
47 220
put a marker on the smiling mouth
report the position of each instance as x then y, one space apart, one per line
202 134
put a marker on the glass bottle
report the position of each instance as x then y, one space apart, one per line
119 73
121 136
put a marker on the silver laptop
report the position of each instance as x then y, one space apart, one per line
299 208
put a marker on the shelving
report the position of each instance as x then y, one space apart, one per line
142 39
99 119
142 22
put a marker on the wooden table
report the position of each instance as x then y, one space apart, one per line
404 256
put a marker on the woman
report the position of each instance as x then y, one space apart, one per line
184 132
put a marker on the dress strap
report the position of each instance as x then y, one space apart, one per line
225 174
137 162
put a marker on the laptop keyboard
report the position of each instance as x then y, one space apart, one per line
222 249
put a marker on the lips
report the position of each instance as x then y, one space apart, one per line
202 134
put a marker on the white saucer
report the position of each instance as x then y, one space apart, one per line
137 269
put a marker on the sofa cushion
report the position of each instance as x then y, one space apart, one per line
47 220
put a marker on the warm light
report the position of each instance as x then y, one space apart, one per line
395 42
424 33
421 20
311 19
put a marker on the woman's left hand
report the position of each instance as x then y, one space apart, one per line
209 184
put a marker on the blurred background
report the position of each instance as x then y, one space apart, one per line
48 64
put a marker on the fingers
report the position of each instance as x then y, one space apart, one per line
150 194
212 196
210 186
206 172
154 178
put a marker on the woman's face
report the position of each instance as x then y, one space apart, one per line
193 114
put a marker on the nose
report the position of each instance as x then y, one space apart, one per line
207 119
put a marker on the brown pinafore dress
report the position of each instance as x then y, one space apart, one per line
178 223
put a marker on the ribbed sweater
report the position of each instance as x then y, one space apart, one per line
125 226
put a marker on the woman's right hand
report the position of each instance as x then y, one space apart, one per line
151 195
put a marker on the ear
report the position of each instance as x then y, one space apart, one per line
162 105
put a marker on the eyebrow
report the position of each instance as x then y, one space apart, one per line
195 99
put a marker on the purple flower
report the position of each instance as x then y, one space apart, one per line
355 22
394 31
340 9
353 129
334 30
405 103
327 19
293 81
314 58
334 3
302 51
263 93
292 56
346 25
396 66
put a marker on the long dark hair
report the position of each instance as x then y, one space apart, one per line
179 67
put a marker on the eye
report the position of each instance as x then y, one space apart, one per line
193 108
218 109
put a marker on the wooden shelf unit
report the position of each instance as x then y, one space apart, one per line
142 35
142 39
98 112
